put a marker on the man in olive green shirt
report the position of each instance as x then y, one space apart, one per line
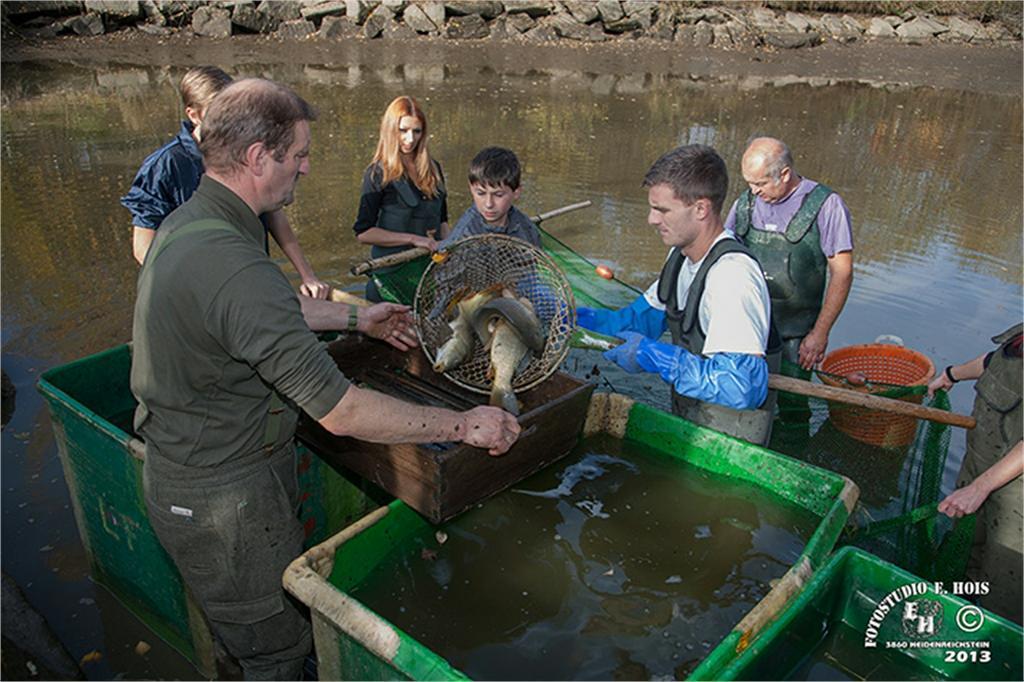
223 359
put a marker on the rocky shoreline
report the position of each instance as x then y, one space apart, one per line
686 23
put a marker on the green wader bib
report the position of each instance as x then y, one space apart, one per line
406 210
754 426
276 409
997 555
793 263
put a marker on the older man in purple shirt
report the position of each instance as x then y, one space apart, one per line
800 232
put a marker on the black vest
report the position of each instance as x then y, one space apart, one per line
404 208
684 324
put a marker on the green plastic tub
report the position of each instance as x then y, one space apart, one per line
91 408
353 642
823 632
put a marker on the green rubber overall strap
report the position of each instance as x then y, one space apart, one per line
744 213
807 213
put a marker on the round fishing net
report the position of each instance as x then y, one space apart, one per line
501 264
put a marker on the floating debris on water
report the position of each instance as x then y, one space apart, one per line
91 657
593 508
587 469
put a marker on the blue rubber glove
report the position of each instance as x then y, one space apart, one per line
625 355
735 380
638 317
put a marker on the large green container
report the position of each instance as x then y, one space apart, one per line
352 642
91 406
825 628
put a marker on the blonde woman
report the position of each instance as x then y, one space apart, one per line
403 203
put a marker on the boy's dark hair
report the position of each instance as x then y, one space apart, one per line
693 171
495 166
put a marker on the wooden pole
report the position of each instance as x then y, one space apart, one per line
873 402
414 253
339 296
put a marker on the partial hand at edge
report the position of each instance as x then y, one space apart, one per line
625 356
315 288
940 382
964 501
425 243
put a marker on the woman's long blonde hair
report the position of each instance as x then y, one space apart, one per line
388 154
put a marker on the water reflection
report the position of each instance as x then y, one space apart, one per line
932 179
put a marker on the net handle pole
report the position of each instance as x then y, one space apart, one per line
588 340
874 402
338 296
366 266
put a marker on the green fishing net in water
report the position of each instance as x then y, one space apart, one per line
898 463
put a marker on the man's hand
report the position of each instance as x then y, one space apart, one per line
389 322
625 355
314 288
812 349
964 501
490 427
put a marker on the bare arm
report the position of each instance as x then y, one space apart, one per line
281 229
378 236
375 417
840 279
968 499
388 322
972 369
142 237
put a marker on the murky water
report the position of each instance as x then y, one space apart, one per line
615 563
932 178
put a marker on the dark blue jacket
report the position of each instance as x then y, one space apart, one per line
166 180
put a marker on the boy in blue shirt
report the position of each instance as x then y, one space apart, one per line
494 183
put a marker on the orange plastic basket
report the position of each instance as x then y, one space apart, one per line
880 363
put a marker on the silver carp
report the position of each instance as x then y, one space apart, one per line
457 348
512 329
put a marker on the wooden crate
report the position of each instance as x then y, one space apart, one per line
440 480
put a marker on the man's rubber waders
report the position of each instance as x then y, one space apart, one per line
754 426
